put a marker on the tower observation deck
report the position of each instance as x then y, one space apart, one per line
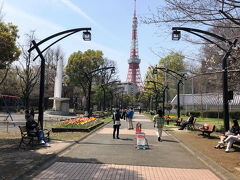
134 75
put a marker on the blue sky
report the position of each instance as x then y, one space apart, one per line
110 20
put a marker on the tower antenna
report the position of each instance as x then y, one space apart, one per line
134 8
134 75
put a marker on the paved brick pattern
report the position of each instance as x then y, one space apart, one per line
88 171
148 132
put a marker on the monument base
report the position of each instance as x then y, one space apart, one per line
60 106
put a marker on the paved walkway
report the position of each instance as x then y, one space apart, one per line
101 157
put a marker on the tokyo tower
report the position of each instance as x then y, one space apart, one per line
134 75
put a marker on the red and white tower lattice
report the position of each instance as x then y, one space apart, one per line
134 75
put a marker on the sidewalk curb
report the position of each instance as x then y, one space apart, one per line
220 171
43 164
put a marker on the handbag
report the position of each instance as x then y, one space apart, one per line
117 123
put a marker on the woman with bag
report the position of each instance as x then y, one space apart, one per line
116 122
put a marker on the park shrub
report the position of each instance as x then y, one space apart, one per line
216 114
194 113
234 114
212 114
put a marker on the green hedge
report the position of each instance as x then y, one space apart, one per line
212 114
216 114
194 113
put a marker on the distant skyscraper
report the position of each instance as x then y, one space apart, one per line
134 75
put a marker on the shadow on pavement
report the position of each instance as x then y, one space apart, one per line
208 137
236 148
94 143
168 140
15 161
78 160
126 139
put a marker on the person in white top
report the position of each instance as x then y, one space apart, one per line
159 123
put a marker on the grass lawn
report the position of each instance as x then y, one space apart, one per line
217 122
12 138
205 145
14 161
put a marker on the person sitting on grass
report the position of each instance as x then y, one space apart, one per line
235 130
34 130
189 121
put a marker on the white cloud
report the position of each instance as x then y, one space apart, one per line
81 12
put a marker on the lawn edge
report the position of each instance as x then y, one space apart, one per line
220 171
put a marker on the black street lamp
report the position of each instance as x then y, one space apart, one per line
156 96
86 37
89 76
163 93
104 92
116 92
177 76
176 35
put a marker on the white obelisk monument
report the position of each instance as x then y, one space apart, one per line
60 105
58 79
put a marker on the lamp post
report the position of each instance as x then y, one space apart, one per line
116 91
176 35
163 92
89 76
104 92
177 76
86 37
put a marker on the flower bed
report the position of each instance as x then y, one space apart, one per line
78 124
170 118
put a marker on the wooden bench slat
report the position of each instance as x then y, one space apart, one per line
31 139
209 130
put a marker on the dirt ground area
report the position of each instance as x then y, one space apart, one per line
205 145
14 161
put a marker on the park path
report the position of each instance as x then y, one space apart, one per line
101 157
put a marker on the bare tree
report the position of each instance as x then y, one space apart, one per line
220 17
208 12
27 71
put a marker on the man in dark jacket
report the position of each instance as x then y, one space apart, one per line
116 122
189 121
34 130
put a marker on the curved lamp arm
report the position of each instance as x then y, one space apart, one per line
68 32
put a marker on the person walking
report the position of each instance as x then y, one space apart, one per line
116 123
140 110
124 113
26 114
130 117
32 112
158 121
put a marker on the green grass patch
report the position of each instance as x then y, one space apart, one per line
219 123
